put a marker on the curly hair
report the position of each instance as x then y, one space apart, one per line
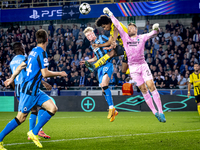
103 19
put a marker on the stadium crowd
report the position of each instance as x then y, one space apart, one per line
170 55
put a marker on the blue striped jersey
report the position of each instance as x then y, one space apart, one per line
100 52
16 61
36 61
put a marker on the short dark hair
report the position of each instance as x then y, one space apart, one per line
17 47
41 36
103 19
132 24
196 63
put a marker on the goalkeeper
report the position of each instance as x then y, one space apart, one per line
139 69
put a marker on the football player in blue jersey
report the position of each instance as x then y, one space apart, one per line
35 111
105 71
36 67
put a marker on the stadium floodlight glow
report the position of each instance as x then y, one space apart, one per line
88 104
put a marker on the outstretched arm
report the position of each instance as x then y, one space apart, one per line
155 30
115 22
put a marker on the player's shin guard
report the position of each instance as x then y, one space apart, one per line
198 108
44 119
9 127
102 61
156 98
108 96
149 102
32 120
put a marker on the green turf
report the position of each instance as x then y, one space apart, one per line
93 131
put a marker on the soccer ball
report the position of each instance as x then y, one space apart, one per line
84 8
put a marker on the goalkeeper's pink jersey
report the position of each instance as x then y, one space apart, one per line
134 47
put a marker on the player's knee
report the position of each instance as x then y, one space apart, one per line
54 109
21 118
152 88
143 89
104 85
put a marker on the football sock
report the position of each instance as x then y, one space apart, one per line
40 113
9 127
108 96
156 98
128 71
149 102
44 119
198 108
102 61
32 120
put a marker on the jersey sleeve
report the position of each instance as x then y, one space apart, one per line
149 35
104 38
26 60
190 79
117 24
43 60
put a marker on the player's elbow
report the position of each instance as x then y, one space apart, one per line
44 75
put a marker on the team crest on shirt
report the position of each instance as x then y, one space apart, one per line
138 41
25 109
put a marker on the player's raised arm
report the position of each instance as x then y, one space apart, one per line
17 71
115 21
155 30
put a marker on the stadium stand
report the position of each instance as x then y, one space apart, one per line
170 55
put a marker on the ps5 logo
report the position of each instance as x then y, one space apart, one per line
49 13
34 15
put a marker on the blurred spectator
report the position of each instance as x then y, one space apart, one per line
51 28
82 80
159 82
54 90
173 82
196 36
166 82
168 25
182 82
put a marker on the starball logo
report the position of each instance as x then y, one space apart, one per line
45 13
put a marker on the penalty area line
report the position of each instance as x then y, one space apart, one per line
102 137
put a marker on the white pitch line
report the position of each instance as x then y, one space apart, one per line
102 137
57 118
104 117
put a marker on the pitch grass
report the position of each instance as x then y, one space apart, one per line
93 131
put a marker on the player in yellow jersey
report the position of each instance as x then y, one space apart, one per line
117 48
195 80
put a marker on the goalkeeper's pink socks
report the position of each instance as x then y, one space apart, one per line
156 98
149 102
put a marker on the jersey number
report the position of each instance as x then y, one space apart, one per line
148 73
29 68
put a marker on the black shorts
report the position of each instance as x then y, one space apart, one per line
121 51
197 98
